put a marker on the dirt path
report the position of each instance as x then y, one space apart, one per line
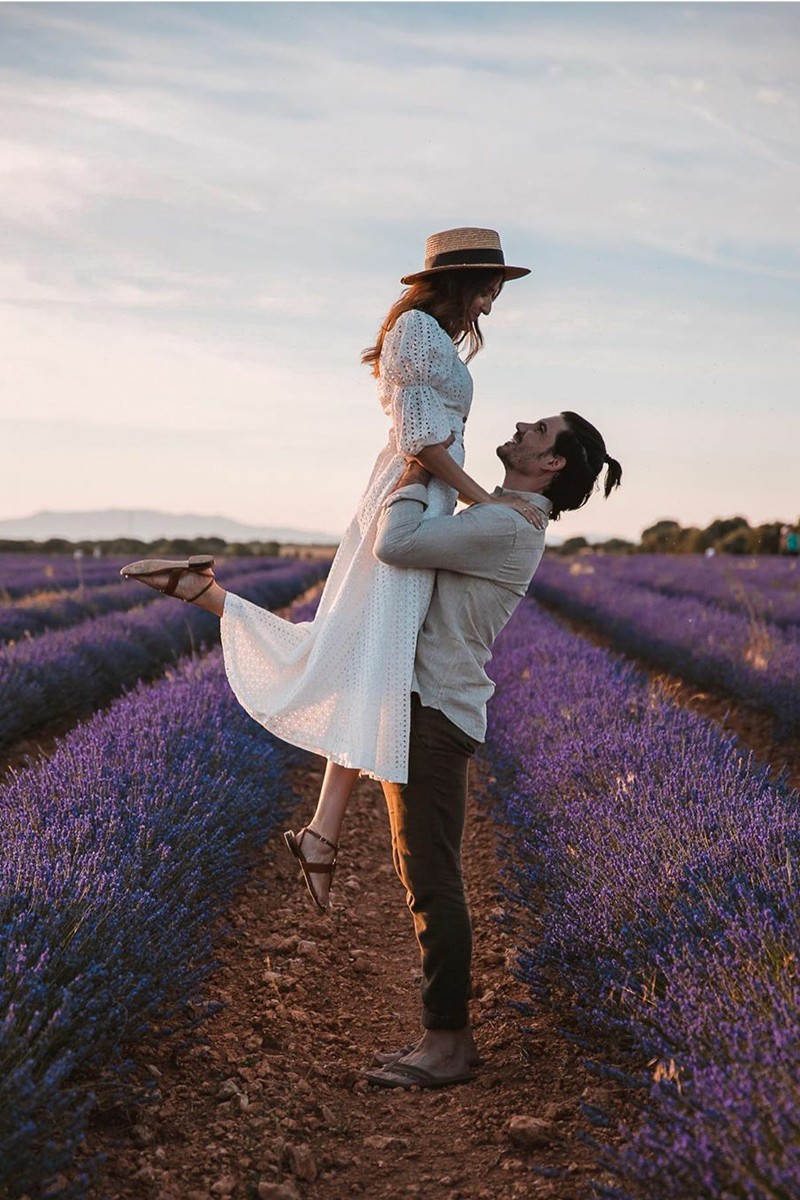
274 1105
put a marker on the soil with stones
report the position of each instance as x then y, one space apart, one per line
275 1105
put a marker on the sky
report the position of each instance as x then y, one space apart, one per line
205 211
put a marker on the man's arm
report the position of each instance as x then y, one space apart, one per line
475 542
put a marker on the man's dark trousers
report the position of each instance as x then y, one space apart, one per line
427 819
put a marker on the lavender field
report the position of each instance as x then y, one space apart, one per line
660 864
71 672
26 574
120 853
766 588
41 609
732 627
649 870
36 577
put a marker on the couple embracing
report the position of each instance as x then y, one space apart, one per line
389 678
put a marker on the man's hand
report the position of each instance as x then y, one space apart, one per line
533 515
414 473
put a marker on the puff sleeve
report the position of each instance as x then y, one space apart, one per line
416 359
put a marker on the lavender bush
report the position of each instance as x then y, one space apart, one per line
753 660
660 863
72 672
120 854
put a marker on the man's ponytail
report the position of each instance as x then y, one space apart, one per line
584 451
613 476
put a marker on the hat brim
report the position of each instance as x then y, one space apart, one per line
506 272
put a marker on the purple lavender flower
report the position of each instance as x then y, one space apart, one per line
659 862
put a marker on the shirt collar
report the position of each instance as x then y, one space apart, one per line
532 497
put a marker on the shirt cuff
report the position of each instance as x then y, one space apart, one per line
413 491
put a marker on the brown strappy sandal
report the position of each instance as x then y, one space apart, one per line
295 845
175 572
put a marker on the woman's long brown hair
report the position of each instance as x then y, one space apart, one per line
446 297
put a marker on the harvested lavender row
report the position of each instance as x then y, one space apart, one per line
63 611
705 644
765 588
71 672
120 854
661 864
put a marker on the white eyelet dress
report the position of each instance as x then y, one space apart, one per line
340 685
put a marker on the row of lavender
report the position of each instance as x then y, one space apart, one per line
44 611
120 854
68 673
734 652
766 588
662 865
24 574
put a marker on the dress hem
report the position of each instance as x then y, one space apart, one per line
341 760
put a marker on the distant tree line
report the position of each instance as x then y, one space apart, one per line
725 535
134 548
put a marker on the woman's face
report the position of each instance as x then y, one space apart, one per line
481 303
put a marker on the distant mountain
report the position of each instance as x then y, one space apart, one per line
148 525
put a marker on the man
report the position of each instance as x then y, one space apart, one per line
485 558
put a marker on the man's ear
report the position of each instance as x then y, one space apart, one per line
556 462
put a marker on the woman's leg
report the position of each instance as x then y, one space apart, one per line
213 600
337 787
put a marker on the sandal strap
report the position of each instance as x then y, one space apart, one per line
202 592
176 575
319 868
307 829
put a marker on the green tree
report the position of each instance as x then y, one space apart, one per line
735 541
766 539
719 529
694 541
661 538
573 545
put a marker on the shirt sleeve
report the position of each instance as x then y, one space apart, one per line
477 541
416 360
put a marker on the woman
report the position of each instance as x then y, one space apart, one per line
339 685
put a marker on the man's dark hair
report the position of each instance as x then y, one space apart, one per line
585 452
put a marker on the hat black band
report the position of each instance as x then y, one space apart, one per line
463 258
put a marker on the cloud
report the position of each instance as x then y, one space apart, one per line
41 187
207 208
282 127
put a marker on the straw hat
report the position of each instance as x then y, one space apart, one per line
465 249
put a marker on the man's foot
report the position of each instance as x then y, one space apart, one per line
387 1058
440 1058
404 1075
317 858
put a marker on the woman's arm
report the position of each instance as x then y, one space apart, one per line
436 460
